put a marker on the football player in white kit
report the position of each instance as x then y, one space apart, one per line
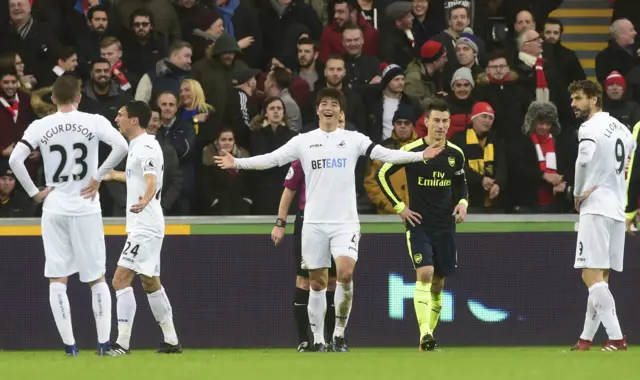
72 230
145 230
605 145
331 226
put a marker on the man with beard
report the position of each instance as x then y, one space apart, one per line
566 59
167 75
355 113
15 112
459 21
88 45
600 195
345 13
143 48
309 68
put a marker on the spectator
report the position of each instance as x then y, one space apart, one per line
77 18
524 20
143 47
164 15
16 113
384 103
355 113
188 12
485 166
111 51
167 75
242 23
102 95
539 170
224 191
425 76
372 11
467 55
34 42
626 9
270 131
299 88
396 42
10 60
425 25
277 85
13 203
622 54
194 109
67 62
181 135
309 68
615 102
362 70
331 41
451 5
277 19
498 86
566 59
460 101
209 27
403 134
214 74
244 80
459 21
88 41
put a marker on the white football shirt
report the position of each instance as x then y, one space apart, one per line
68 142
328 160
604 150
145 157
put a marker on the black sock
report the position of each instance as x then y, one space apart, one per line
330 317
300 301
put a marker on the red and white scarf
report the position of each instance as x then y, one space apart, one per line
124 82
546 151
12 108
537 64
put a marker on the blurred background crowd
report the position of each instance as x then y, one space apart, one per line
241 75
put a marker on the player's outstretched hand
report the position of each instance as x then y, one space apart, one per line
410 217
43 194
460 212
225 161
580 198
277 234
138 207
432 151
91 190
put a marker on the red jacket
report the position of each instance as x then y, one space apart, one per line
331 40
10 131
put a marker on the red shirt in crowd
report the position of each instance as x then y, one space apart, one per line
331 40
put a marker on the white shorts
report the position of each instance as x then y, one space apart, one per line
141 254
73 244
600 243
321 241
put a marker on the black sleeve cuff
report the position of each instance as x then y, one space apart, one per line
369 149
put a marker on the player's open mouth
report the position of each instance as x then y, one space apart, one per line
327 114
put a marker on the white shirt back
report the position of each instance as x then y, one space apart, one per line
613 144
145 157
68 142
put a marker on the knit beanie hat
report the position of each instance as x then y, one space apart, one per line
470 40
615 78
463 73
389 71
431 51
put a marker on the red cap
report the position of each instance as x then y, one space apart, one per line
615 78
482 108
431 51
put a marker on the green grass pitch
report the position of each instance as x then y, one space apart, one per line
451 363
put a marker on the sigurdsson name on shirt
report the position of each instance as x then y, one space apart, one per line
64 128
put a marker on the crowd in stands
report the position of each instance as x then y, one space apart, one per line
242 75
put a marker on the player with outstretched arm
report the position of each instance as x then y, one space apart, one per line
600 196
145 231
331 225
439 198
72 230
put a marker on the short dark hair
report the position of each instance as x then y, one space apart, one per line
351 26
8 70
94 10
178 45
66 89
99 60
350 4
555 21
436 104
155 108
281 77
139 110
332 93
591 90
497 54
457 6
66 52
176 97
308 41
141 12
336 57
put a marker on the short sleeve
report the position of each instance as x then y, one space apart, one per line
31 138
149 160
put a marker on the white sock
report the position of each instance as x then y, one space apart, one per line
317 308
161 309
606 308
126 309
61 309
101 302
591 321
342 301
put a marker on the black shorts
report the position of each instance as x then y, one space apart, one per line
297 242
437 249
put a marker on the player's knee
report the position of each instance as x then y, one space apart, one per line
121 279
345 276
150 284
437 284
101 279
424 274
591 277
